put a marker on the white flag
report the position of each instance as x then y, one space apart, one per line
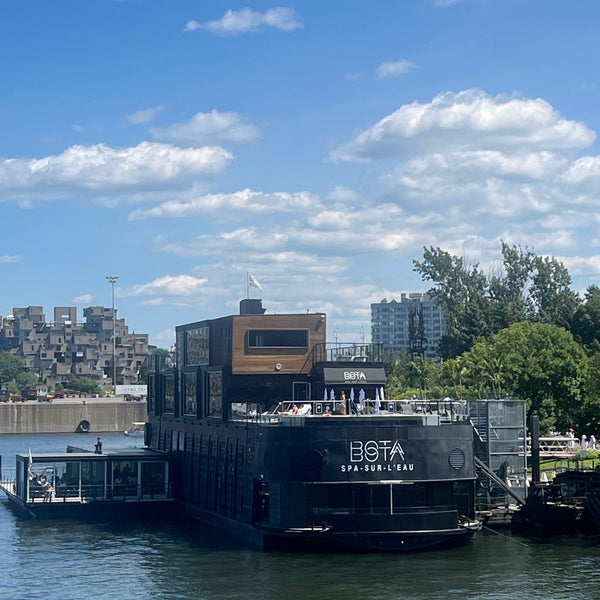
253 282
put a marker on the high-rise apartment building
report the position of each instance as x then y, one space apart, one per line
413 324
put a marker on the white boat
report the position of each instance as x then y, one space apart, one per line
137 429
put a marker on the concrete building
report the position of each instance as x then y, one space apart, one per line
413 324
64 349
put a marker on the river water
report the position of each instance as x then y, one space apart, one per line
70 560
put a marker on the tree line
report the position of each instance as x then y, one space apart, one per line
16 379
519 331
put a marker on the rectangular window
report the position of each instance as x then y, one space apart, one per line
277 338
215 394
169 393
197 346
190 404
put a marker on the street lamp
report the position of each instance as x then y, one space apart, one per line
112 279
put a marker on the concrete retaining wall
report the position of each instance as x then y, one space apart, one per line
70 416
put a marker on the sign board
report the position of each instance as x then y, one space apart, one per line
354 375
133 390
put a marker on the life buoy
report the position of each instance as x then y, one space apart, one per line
83 427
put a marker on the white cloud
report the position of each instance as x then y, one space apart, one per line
9 258
169 285
393 69
144 115
586 168
229 206
103 170
343 194
247 20
192 26
85 299
467 120
206 128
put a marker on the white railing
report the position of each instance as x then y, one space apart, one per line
556 445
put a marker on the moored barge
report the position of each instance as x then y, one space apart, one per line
288 445
103 485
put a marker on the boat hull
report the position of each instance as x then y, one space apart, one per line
106 510
320 487
323 539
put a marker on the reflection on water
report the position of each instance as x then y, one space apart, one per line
71 560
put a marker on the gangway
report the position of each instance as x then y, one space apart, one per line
499 481
556 446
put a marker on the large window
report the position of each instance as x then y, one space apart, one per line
215 394
196 346
190 403
277 338
169 393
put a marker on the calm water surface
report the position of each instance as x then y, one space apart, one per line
71 560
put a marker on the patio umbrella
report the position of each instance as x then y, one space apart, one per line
332 394
377 401
325 395
361 398
352 394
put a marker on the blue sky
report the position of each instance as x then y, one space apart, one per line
318 145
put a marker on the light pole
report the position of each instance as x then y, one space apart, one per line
112 279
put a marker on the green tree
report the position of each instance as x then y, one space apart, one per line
552 299
10 367
14 375
589 417
484 371
586 321
541 364
424 375
397 381
461 292
83 385
509 289
453 377
528 287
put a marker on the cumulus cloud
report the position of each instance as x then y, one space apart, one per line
169 285
207 128
144 115
233 205
467 120
100 169
393 69
247 20
586 168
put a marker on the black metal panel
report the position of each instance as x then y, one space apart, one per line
354 375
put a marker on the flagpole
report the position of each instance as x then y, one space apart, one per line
247 286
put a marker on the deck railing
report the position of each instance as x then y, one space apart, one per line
432 411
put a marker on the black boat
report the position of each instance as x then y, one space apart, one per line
286 444
103 485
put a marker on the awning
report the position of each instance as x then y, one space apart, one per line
354 376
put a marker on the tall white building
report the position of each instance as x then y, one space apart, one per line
413 324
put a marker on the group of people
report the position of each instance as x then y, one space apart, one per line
588 443
585 442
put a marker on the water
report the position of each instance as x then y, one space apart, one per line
71 560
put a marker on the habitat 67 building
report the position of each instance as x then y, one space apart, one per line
412 324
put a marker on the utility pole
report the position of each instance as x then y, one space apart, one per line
112 279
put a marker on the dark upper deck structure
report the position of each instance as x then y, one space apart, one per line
260 360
